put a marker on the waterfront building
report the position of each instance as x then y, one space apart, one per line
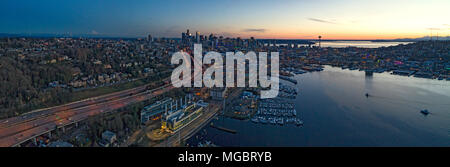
155 110
174 121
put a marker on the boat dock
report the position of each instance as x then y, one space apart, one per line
288 79
224 129
276 112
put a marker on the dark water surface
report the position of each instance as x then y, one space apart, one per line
336 113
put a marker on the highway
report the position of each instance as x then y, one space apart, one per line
52 110
17 130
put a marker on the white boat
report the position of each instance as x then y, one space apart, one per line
298 122
255 120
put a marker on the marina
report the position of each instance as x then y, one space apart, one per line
335 112
286 91
288 79
276 112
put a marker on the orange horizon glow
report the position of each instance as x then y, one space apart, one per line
342 20
262 19
338 36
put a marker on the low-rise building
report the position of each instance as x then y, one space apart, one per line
176 120
154 111
109 136
59 144
218 93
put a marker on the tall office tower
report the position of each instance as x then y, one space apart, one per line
211 36
197 39
188 34
149 38
252 42
237 41
183 37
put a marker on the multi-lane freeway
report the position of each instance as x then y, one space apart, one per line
16 130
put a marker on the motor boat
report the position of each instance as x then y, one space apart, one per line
424 112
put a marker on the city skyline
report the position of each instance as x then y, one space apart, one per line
260 19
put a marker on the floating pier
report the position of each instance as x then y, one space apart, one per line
224 129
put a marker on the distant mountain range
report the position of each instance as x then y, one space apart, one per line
425 38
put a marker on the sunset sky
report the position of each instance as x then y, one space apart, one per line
287 19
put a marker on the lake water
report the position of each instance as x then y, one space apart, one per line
360 44
335 112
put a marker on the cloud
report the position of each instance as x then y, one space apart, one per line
321 21
255 30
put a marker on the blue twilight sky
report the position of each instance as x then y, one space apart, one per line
343 19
